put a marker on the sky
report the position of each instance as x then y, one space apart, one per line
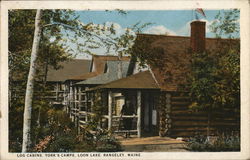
171 22
174 21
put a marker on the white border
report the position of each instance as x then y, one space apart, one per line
243 5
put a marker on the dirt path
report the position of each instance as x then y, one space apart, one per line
153 144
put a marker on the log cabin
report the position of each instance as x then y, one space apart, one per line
160 105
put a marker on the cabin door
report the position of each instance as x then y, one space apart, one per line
146 113
149 113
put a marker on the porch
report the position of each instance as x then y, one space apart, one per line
140 121
141 116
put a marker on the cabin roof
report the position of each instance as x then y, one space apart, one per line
141 80
74 67
111 75
98 62
175 56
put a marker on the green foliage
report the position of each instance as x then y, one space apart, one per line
16 114
64 143
229 85
226 24
101 140
21 24
146 54
215 76
215 82
60 135
203 80
59 29
223 142
107 143
98 108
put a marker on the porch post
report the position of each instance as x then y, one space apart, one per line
74 105
80 98
70 100
86 106
64 97
139 114
110 109
79 105
57 90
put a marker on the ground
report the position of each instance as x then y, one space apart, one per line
153 144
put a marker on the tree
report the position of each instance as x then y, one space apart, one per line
226 24
21 24
58 28
30 82
215 82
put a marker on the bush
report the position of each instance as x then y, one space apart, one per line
65 139
108 144
103 141
222 142
61 136
63 143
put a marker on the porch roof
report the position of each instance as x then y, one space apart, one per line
141 80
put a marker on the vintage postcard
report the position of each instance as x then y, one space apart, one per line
124 80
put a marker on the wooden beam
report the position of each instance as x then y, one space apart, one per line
139 114
74 99
125 131
110 109
86 106
79 106
57 90
75 96
79 98
82 122
125 116
70 99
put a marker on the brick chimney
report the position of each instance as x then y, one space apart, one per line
198 36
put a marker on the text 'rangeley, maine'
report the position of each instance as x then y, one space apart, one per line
122 81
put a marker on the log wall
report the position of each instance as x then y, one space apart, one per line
186 123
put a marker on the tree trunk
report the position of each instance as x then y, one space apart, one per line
30 84
43 89
119 70
208 124
132 65
44 84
